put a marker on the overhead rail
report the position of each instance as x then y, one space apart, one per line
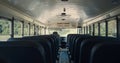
112 13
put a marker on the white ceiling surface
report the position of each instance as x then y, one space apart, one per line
49 11
45 10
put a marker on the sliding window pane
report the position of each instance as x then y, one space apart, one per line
112 28
102 29
82 30
96 29
64 32
87 29
26 29
32 30
17 29
91 29
4 29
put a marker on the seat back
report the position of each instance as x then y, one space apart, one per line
87 45
76 47
105 53
22 52
44 42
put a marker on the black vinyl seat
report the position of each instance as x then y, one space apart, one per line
40 40
22 52
76 47
72 43
56 41
105 53
70 40
73 47
52 45
86 46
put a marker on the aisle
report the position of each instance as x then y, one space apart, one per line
63 58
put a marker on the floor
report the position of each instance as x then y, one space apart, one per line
63 57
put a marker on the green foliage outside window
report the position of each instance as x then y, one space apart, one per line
96 29
26 29
102 29
4 27
17 28
112 28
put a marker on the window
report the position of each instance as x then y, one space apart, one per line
17 29
4 29
91 29
36 30
42 31
84 30
112 28
102 29
64 32
96 29
80 30
32 30
87 29
26 29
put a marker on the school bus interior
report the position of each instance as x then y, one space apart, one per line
59 31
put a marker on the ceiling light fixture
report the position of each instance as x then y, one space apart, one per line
63 19
64 0
64 14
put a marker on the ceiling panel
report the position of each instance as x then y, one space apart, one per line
50 10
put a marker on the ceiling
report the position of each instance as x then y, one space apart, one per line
49 11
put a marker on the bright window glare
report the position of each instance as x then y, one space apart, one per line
64 32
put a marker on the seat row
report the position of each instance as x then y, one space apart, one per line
93 49
34 49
